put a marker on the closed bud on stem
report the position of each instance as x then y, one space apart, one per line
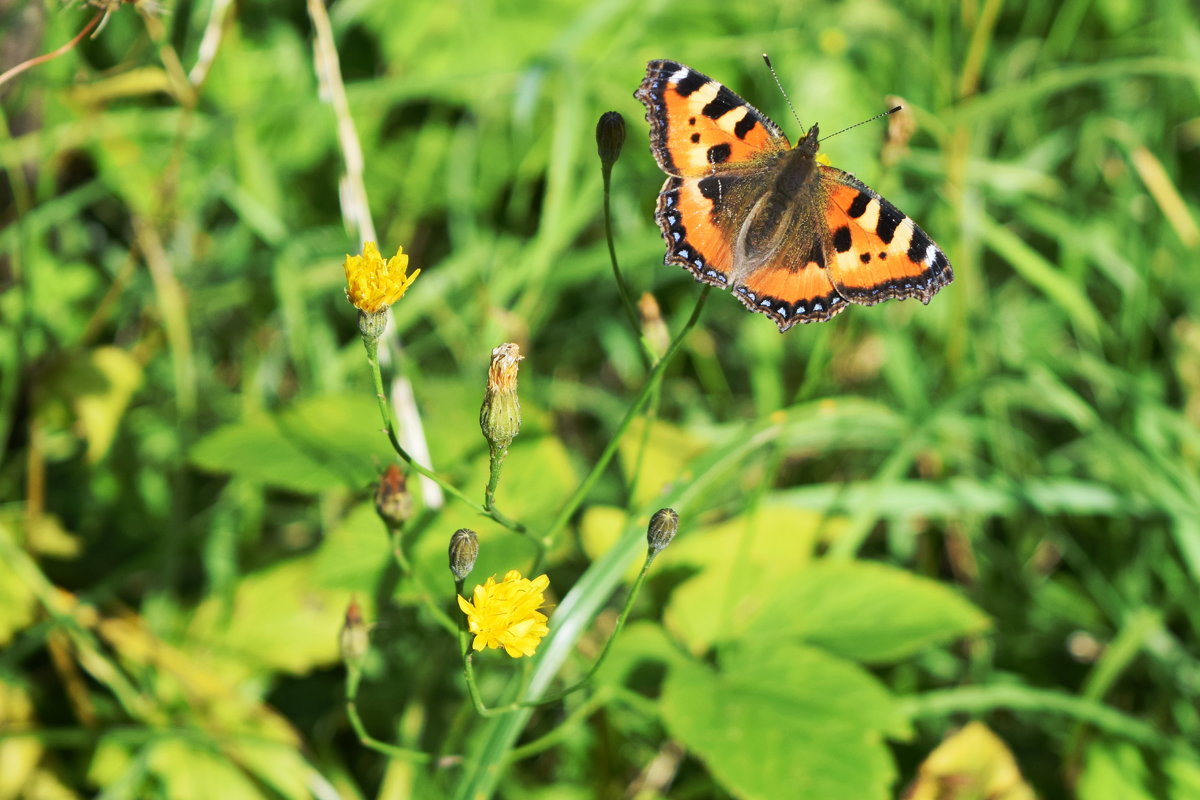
354 639
464 549
393 502
500 416
663 527
610 137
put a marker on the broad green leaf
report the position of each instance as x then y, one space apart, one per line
282 619
778 721
19 755
735 558
668 451
18 605
318 444
1113 771
970 764
865 611
1117 770
190 771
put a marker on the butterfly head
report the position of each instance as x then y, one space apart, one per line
810 142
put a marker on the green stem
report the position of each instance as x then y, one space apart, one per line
385 412
572 504
353 678
464 645
423 593
496 458
633 593
559 733
647 352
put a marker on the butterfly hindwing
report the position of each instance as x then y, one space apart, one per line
878 253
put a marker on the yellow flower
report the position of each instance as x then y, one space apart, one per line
373 284
505 614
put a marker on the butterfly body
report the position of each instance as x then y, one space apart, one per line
741 209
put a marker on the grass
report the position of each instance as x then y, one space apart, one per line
191 440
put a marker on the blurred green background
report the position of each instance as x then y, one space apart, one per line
894 523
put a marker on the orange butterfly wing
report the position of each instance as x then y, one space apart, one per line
877 252
722 156
700 130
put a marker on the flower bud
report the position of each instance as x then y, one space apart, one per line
464 549
663 527
354 639
500 416
610 137
393 502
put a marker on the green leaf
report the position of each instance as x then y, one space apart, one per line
1117 771
785 721
318 444
864 611
735 558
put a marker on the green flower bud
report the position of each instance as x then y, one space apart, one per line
663 527
464 549
610 137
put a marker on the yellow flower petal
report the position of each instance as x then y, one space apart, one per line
373 284
505 614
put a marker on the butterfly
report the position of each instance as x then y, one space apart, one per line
744 210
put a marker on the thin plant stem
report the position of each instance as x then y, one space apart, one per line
647 352
560 732
495 463
633 593
573 503
9 74
353 679
423 593
464 644
372 348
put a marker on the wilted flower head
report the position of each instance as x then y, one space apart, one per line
354 639
500 415
373 284
506 614
393 501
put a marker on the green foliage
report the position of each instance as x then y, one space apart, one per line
892 524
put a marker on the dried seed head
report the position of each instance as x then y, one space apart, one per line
393 502
354 639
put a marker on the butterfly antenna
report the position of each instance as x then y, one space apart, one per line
767 59
887 113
